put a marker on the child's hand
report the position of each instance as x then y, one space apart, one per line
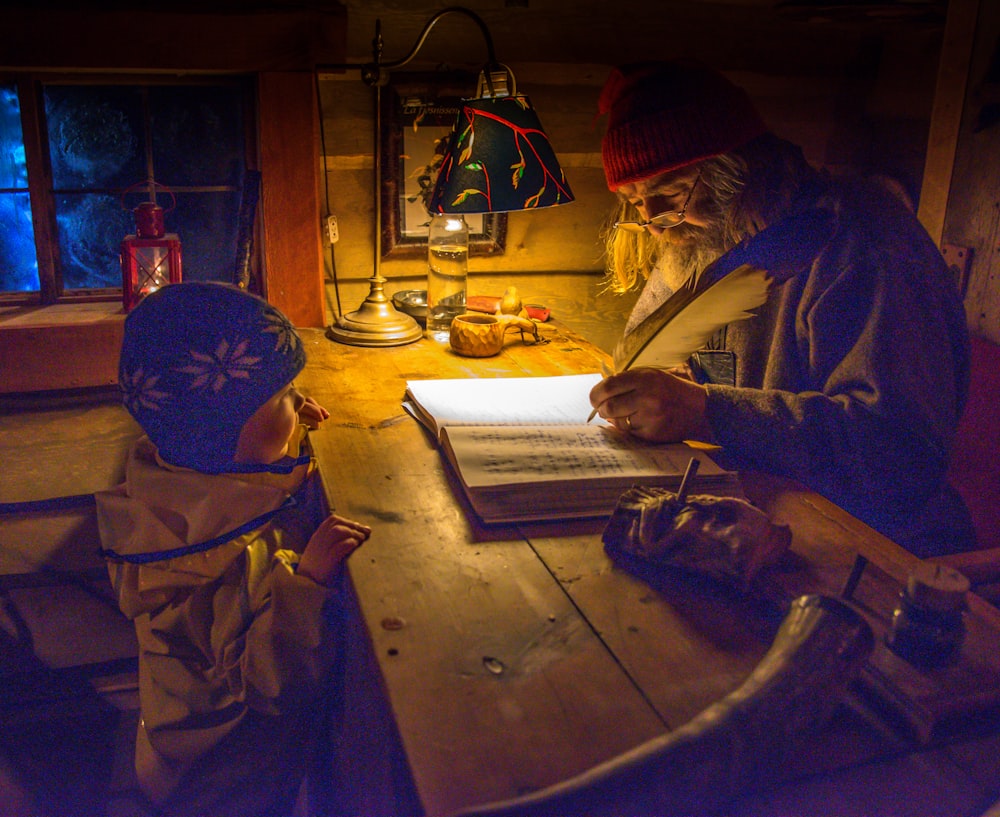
335 539
312 413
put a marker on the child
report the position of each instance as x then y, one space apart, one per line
221 552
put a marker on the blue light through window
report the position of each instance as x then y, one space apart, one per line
104 139
18 264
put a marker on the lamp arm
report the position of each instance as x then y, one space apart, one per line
376 75
491 58
372 73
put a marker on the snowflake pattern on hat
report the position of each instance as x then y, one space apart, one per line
198 359
228 361
286 338
140 391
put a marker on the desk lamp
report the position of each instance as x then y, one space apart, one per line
499 159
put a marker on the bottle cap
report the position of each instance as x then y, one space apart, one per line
937 587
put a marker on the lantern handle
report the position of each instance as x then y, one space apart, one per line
154 184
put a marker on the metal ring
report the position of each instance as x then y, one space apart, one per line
628 422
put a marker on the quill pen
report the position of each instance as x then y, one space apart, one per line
724 292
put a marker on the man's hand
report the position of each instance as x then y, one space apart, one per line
654 405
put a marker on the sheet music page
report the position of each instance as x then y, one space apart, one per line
558 400
505 455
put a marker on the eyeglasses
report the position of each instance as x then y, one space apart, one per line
666 220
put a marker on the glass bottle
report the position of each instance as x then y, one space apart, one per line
927 627
447 272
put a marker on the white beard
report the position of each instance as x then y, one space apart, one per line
678 259
676 262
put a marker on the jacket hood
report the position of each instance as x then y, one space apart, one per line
167 527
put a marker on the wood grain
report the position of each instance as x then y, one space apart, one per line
513 657
487 662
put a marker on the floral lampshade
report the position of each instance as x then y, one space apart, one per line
498 159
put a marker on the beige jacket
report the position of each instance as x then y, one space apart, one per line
234 647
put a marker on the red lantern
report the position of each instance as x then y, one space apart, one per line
151 258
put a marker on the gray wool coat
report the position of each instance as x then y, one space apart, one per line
852 377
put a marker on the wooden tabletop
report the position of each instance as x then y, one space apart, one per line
512 657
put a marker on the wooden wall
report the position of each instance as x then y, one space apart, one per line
972 222
278 45
853 91
65 346
554 240
851 94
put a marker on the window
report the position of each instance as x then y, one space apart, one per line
18 267
66 194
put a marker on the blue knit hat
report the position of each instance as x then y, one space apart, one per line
197 360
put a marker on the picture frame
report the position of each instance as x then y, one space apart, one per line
418 111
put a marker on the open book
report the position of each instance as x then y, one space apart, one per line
522 449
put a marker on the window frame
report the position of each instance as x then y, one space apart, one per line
30 89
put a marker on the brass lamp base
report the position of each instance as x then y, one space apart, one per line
375 323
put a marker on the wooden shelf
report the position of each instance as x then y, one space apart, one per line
65 346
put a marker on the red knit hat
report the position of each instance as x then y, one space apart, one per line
665 115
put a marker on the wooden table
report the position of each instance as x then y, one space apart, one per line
512 657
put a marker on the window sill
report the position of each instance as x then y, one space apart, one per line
65 346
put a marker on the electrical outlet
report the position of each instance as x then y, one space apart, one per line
332 231
959 260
